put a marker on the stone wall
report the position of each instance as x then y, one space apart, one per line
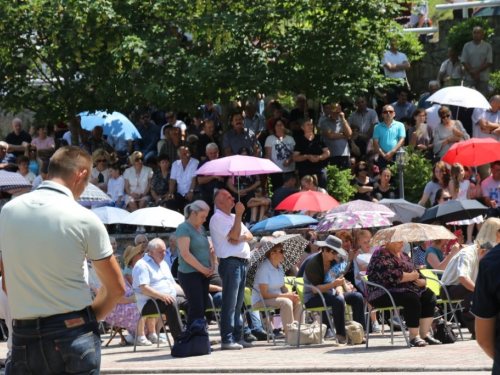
427 68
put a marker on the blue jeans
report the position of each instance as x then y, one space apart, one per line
337 305
47 346
233 273
217 298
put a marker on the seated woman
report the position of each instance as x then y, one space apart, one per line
383 188
394 270
270 281
434 258
363 184
100 173
259 205
309 182
161 180
316 272
439 180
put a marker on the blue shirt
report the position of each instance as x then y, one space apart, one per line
389 136
438 253
150 138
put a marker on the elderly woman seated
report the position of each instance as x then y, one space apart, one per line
394 270
318 273
270 282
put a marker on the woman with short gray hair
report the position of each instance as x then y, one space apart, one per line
196 262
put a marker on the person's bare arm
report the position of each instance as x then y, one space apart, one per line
267 152
112 286
214 288
298 157
467 283
172 185
202 180
4 288
235 231
485 335
153 293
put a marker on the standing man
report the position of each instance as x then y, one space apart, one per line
254 121
477 57
239 137
402 106
18 139
451 71
337 133
388 137
433 88
53 314
230 239
150 134
395 65
366 119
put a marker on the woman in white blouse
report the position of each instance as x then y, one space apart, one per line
100 173
137 183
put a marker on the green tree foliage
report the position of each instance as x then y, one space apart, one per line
339 184
417 173
461 33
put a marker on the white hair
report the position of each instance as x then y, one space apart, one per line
196 206
154 243
136 239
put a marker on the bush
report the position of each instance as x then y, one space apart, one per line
495 82
339 183
410 46
417 173
462 33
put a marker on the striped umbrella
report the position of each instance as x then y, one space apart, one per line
11 180
93 196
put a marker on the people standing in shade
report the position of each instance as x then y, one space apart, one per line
196 263
395 65
451 71
279 149
337 134
56 306
477 57
388 137
364 119
230 239
18 139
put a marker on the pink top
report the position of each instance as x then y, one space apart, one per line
46 143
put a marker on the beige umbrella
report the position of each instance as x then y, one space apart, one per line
411 232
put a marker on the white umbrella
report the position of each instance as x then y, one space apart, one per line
460 96
110 215
405 211
155 217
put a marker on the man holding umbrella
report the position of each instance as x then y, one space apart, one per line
230 239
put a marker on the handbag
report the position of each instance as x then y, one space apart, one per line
193 341
444 333
355 332
309 333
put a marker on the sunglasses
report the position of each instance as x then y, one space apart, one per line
446 116
385 112
330 250
139 159
446 198
102 161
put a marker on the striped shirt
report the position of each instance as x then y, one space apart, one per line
463 264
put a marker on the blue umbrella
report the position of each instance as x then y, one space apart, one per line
115 124
282 222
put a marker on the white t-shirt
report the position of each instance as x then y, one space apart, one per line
184 177
281 149
116 188
433 119
394 58
483 114
268 274
490 188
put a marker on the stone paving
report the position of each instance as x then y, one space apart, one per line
381 356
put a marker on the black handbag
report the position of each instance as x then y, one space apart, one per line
444 333
193 341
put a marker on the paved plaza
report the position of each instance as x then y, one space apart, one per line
382 357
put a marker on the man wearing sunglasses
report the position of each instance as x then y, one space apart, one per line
388 137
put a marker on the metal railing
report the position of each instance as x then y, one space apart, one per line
465 6
421 30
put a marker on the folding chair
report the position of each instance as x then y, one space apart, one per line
392 308
113 332
214 310
247 298
157 315
299 287
434 284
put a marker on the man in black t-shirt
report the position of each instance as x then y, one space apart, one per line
18 139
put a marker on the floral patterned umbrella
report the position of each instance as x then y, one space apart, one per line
361 207
348 220
412 232
293 245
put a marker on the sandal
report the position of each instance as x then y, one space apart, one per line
417 342
431 340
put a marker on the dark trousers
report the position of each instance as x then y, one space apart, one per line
461 292
382 163
171 311
320 173
415 307
177 203
337 304
341 162
195 285
47 346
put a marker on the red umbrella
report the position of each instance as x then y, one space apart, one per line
473 152
308 200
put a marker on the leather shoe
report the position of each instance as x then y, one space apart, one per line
261 336
248 337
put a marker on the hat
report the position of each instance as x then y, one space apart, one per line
130 252
332 242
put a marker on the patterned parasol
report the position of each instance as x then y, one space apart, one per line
348 220
93 196
361 207
293 246
11 181
412 232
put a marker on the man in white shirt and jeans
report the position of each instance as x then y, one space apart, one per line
230 239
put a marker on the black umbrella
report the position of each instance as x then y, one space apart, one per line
454 211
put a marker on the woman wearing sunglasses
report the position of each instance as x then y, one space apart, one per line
447 133
36 163
100 173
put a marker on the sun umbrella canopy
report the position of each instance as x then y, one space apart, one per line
238 165
473 152
308 200
411 232
11 180
349 220
454 210
405 211
110 215
155 217
361 207
93 196
460 96
293 246
115 124
282 222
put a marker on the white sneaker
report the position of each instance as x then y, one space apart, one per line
143 341
153 338
376 327
162 338
231 346
245 344
129 339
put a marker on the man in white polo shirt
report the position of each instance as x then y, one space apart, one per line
230 239
45 238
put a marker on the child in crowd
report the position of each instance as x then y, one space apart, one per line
116 186
23 162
